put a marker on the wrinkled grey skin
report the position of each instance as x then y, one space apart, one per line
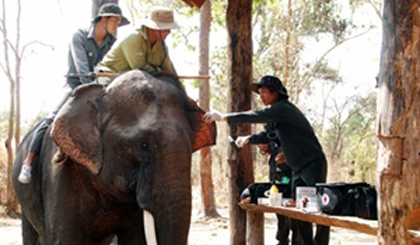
129 148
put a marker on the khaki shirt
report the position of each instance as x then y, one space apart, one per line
135 52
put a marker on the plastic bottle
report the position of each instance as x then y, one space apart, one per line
273 191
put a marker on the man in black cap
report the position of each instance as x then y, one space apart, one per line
301 148
87 47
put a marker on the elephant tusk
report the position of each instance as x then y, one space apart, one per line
149 228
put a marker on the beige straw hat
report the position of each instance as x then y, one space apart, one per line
161 18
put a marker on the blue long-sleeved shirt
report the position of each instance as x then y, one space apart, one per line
84 54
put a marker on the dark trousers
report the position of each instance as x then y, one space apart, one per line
39 132
284 226
314 172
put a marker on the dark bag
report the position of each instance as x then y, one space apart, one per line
256 190
366 202
350 199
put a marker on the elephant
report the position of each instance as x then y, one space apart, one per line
126 170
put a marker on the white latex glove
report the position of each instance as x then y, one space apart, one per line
212 116
241 141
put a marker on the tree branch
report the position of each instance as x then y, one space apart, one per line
11 46
318 62
5 45
2 28
3 68
378 12
35 42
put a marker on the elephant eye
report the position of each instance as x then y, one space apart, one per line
144 145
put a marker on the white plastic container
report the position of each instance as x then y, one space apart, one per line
306 198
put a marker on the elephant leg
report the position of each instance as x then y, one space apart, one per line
134 235
30 236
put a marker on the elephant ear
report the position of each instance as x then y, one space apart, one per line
204 133
76 128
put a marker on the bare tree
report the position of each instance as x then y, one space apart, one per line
13 78
8 46
11 67
207 188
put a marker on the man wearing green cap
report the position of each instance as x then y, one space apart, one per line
87 48
301 148
145 49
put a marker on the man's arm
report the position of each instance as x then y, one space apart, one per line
167 64
271 114
260 138
79 56
135 52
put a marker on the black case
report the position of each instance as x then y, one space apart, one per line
352 199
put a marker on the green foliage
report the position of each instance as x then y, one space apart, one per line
350 141
4 124
218 10
321 16
195 83
280 37
219 86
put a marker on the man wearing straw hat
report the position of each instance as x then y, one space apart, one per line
145 49
87 48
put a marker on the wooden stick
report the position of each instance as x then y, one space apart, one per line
110 74
105 74
195 77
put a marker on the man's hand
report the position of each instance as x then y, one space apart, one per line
241 141
263 148
280 158
212 116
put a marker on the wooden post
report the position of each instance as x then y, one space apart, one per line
399 123
238 22
254 228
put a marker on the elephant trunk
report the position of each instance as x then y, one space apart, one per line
168 200
168 224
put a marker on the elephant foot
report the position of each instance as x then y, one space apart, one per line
59 157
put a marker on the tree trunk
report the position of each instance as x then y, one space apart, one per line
11 199
207 189
238 22
18 62
398 123
11 204
96 4
287 44
255 228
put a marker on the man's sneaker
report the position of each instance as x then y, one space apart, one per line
25 175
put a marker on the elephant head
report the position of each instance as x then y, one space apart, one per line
136 137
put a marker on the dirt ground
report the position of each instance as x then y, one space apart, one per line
206 231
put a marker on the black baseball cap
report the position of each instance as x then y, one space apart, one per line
271 82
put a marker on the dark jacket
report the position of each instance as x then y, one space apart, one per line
270 137
84 55
299 143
